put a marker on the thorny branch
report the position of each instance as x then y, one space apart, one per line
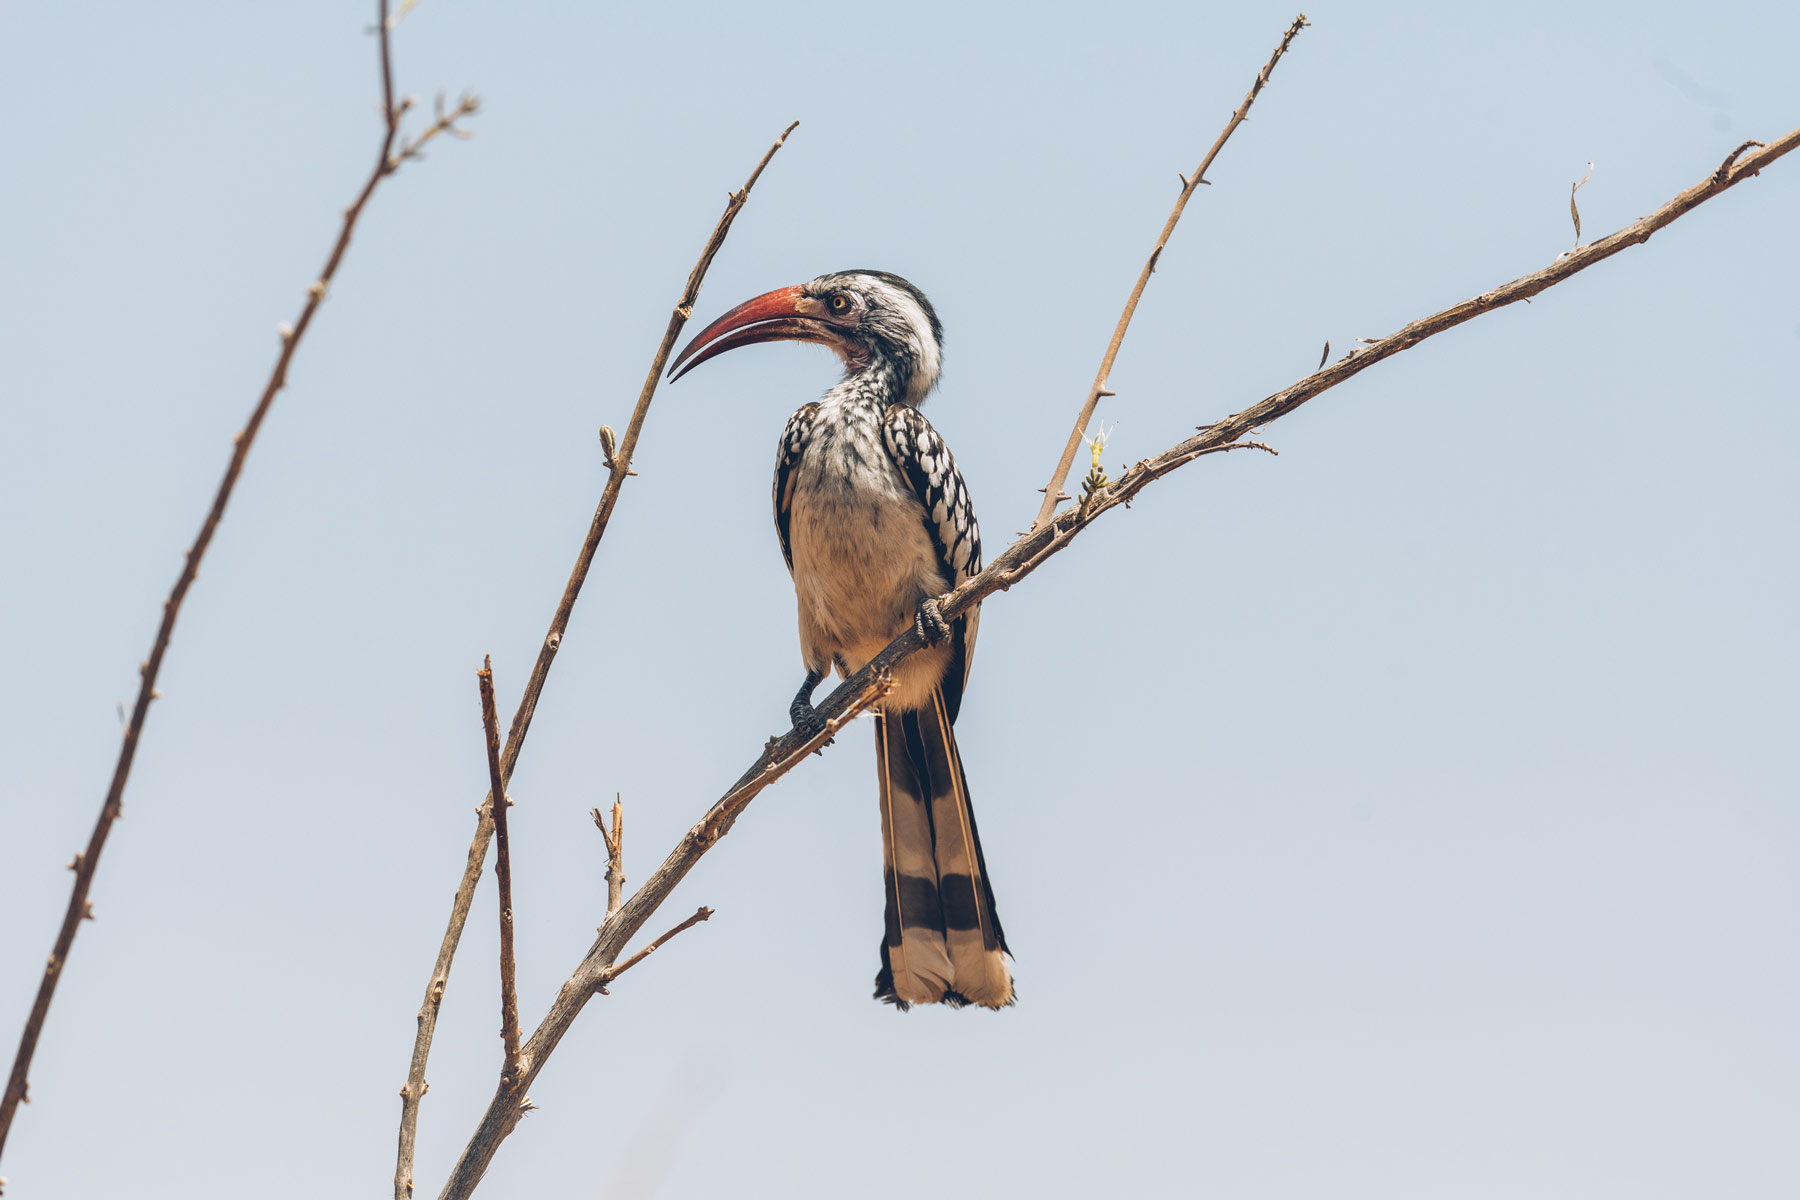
619 469
509 992
1021 558
1053 493
86 862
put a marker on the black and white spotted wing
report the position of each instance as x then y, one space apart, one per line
793 444
930 468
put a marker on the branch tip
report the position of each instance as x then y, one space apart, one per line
1061 475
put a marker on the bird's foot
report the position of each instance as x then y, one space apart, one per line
808 721
929 621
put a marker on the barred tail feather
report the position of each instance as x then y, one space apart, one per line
943 940
915 967
972 926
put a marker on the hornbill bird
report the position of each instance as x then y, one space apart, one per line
875 524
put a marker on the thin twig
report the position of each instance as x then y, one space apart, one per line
1053 491
89 860
509 994
390 110
466 106
1263 446
857 692
725 812
619 469
612 973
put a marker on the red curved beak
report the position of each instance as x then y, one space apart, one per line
783 315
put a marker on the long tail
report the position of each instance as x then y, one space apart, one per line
943 938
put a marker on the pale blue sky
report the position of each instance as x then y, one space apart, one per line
1410 815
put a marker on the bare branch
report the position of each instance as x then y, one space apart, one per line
390 112
1053 491
1263 446
615 854
619 469
509 994
768 771
612 973
862 689
89 860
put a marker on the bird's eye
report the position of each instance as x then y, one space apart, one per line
840 304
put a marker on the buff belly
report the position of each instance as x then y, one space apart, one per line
862 564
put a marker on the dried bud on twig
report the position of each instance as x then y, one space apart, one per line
1574 212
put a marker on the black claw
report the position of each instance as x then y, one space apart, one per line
932 627
808 721
806 718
